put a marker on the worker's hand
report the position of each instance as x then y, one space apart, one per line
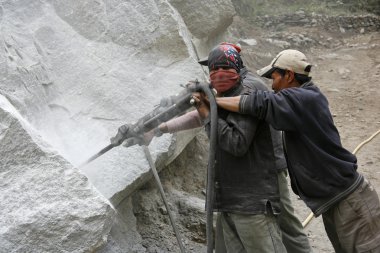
120 136
202 104
146 138
134 141
156 132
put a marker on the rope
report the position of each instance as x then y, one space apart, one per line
365 142
311 215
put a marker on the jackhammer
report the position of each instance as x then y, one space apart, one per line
169 108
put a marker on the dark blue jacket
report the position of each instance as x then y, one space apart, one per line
322 172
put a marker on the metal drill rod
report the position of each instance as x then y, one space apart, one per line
101 152
127 143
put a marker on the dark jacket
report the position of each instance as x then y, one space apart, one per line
276 135
245 170
322 172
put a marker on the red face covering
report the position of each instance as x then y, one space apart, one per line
223 80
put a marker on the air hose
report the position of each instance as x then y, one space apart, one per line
211 167
311 215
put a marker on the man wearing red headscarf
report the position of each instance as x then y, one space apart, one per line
246 187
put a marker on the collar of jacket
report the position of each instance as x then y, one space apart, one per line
243 72
307 84
234 91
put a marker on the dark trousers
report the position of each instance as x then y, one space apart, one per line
353 225
293 235
251 233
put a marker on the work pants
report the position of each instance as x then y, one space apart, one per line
251 233
293 235
353 225
220 246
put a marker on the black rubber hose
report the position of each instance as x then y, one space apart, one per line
211 167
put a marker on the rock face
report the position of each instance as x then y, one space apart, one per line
75 71
76 80
205 20
46 204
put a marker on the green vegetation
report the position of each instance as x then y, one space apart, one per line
328 7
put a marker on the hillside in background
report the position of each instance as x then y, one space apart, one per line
252 8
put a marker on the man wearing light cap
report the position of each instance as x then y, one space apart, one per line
287 60
322 172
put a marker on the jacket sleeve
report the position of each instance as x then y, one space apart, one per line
235 133
283 110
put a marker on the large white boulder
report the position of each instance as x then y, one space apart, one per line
75 71
77 89
46 204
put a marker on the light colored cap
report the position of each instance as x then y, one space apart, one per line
289 59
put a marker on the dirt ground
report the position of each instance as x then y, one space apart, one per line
347 69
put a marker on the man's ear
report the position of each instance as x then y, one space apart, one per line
291 77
